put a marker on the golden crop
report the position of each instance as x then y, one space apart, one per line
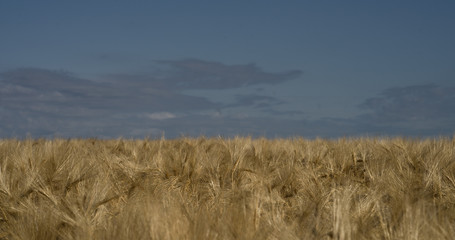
239 188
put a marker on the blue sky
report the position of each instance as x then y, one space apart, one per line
261 68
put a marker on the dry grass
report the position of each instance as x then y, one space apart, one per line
227 189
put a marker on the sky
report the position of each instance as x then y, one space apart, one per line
147 69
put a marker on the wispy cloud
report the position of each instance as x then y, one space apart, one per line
418 102
45 102
256 101
198 74
418 110
50 103
59 92
160 115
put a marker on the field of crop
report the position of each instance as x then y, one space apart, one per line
238 188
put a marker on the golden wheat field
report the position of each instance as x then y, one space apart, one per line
239 188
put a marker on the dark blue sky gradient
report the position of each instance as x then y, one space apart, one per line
262 68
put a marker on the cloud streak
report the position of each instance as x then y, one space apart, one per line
198 74
51 91
420 110
160 116
193 74
256 101
418 102
44 102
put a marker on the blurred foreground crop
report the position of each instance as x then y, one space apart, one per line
238 188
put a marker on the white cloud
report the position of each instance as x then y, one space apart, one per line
160 115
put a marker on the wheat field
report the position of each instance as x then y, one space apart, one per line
238 188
